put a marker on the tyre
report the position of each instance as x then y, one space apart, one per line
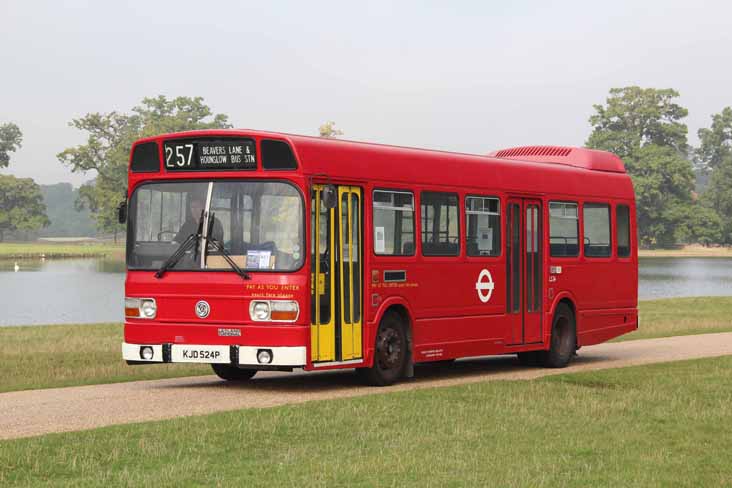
232 373
563 344
390 353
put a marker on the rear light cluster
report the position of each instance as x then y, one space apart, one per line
274 310
140 308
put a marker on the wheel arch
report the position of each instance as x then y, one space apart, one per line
568 299
399 306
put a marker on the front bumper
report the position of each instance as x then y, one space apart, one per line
295 356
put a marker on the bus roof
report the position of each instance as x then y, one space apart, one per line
529 169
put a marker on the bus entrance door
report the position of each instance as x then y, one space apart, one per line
524 270
337 277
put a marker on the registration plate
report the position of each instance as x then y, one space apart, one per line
199 354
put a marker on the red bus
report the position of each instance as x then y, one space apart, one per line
255 251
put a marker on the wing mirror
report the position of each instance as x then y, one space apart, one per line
329 196
122 211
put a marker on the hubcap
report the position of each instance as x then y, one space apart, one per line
388 349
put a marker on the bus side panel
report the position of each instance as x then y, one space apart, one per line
487 338
449 308
603 325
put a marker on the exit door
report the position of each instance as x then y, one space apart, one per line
524 265
337 276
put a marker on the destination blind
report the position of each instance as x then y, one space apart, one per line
210 155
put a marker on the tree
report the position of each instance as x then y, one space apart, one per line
643 126
716 141
329 131
634 117
10 141
718 196
110 138
21 205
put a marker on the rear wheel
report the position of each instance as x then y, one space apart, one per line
564 338
232 373
390 353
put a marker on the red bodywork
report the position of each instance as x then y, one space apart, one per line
447 320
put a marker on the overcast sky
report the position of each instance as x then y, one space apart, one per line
461 76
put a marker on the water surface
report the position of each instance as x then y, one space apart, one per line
66 291
684 277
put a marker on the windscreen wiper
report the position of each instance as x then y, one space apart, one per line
220 248
175 257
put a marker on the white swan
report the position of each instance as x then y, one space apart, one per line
17 268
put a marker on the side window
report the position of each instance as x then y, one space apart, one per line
483 216
622 228
596 218
440 225
393 223
563 229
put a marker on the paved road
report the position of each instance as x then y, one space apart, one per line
36 412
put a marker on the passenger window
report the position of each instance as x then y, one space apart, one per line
440 226
563 229
393 223
596 218
483 216
622 228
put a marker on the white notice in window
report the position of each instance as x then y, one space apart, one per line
258 259
379 240
485 239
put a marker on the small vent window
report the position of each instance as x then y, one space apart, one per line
145 158
622 230
277 155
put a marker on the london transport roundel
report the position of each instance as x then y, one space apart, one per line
485 285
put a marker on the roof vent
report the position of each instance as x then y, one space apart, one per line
579 157
534 151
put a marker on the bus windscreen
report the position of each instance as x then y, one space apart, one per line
260 224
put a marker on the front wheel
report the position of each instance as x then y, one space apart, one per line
390 353
564 338
232 373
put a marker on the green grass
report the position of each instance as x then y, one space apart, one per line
682 316
691 251
65 355
28 250
68 355
661 425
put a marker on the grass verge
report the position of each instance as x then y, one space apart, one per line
32 250
682 316
65 355
660 425
68 355
694 251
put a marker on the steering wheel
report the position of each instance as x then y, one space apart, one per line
166 233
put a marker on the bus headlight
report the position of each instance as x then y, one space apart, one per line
274 310
259 311
140 308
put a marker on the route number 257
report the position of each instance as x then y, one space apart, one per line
178 156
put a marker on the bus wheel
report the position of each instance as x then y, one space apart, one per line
232 373
564 338
390 353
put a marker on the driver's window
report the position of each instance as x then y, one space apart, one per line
159 214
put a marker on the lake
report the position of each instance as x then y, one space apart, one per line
91 290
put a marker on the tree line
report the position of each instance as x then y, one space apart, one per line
644 126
